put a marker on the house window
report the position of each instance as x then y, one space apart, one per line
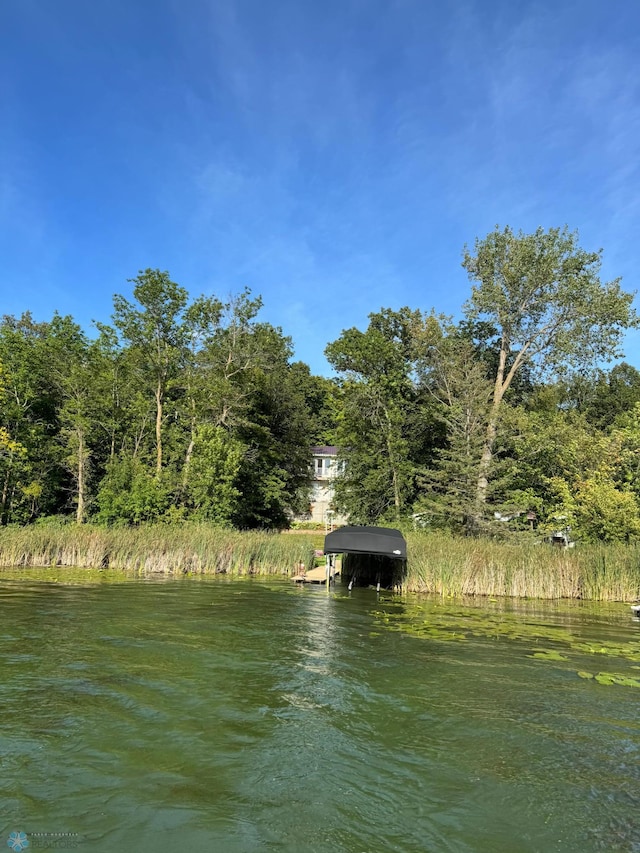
319 465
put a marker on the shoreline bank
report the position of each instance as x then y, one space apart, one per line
438 564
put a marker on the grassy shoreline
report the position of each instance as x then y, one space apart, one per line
438 564
459 567
159 549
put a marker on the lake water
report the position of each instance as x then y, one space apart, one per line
251 715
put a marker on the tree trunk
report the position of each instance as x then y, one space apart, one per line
394 470
159 396
484 465
396 487
5 492
81 477
187 461
192 441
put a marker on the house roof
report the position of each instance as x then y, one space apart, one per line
384 541
325 450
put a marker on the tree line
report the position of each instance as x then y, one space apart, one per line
194 409
178 409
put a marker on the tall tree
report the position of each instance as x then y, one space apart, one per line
544 296
154 328
8 445
379 401
320 401
242 402
454 375
276 430
202 321
73 373
34 480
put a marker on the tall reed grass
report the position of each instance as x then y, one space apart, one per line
446 565
438 563
167 549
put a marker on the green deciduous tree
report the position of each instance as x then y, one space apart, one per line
155 330
277 430
380 406
130 493
8 445
34 480
212 493
320 401
73 373
605 513
611 394
544 296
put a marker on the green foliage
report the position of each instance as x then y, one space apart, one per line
624 446
212 395
542 447
216 462
543 294
29 412
190 409
455 378
615 393
604 513
157 337
8 446
131 493
320 398
382 421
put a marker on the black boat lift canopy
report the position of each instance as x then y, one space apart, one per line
381 541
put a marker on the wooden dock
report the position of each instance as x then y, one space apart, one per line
317 575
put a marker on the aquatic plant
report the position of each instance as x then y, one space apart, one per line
438 563
553 634
456 566
164 549
611 678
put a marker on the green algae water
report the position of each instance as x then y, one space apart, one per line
240 716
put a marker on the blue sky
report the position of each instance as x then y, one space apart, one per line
332 155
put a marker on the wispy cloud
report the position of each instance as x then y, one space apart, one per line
324 154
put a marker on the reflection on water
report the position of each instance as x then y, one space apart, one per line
205 714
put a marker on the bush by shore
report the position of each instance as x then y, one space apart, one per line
438 563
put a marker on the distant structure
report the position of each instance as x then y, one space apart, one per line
325 469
